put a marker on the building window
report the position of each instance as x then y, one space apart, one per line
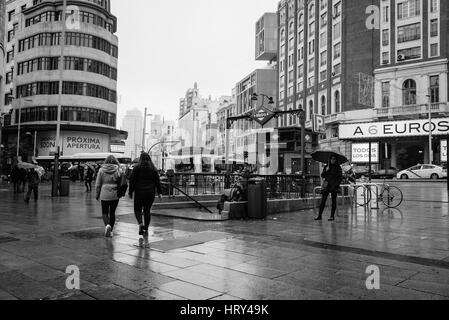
409 33
385 94
385 37
10 15
337 101
409 54
409 92
434 6
434 28
310 110
435 89
409 9
337 10
385 14
337 51
434 50
385 57
323 105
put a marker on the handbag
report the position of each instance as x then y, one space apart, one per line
324 187
122 186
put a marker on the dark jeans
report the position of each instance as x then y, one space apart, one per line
108 209
145 202
325 195
88 184
32 189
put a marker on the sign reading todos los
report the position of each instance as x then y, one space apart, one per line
73 143
407 128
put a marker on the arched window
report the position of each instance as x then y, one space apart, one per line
409 92
300 19
323 105
337 101
311 11
310 109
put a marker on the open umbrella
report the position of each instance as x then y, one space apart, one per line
26 165
323 156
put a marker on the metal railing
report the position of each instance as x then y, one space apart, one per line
278 186
412 109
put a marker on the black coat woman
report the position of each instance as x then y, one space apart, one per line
143 184
332 175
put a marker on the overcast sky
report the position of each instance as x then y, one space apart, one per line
165 46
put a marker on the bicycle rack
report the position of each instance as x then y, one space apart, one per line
377 207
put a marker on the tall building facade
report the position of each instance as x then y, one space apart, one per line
2 53
411 74
321 61
133 124
89 96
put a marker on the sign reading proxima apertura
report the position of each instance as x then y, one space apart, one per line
409 128
73 142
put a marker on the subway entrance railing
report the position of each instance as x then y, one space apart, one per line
278 186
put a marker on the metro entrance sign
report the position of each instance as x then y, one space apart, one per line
262 115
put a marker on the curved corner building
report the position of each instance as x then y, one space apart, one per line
89 100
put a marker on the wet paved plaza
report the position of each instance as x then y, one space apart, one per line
288 256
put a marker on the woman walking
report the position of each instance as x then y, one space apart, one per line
332 175
143 184
108 179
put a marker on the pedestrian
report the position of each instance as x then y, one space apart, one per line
108 179
332 175
33 185
143 185
15 178
88 177
23 174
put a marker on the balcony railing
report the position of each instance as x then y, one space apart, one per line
413 110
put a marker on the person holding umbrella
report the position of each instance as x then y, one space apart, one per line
333 176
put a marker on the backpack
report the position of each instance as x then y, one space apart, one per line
34 178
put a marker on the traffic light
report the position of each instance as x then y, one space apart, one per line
246 155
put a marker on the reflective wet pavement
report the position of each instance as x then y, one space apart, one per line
288 256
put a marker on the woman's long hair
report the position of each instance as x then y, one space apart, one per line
145 161
112 160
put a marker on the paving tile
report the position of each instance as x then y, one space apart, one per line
156 294
189 291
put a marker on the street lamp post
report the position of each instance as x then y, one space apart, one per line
430 128
55 183
145 115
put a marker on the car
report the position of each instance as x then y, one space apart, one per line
390 173
423 171
360 172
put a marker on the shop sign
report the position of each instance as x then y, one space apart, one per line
409 128
73 143
360 152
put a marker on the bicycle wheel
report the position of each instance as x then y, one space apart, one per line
362 195
392 197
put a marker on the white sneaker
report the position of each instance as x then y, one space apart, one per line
112 234
107 231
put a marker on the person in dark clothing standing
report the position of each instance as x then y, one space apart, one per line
333 175
15 178
23 176
88 177
143 184
33 185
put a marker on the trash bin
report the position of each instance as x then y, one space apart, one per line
64 187
257 199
